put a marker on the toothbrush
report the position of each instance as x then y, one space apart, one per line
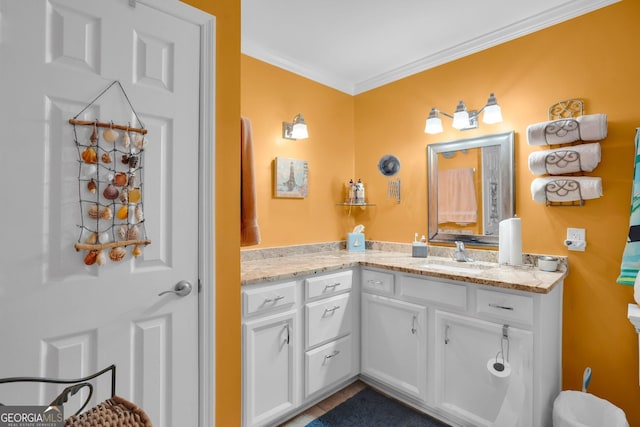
586 379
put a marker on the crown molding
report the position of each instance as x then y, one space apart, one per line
521 28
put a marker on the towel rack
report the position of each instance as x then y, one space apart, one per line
564 118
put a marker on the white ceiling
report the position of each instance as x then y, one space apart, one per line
358 45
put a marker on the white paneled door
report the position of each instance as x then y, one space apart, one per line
59 317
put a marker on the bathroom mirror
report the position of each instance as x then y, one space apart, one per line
471 188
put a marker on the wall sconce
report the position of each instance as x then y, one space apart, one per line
295 130
464 119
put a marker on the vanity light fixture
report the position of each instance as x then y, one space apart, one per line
295 130
464 119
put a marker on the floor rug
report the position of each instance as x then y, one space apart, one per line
369 408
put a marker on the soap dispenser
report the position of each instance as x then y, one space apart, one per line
359 192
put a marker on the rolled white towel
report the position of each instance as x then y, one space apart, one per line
576 158
591 127
566 188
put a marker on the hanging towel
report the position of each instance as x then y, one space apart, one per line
249 230
577 158
566 188
631 254
457 196
592 127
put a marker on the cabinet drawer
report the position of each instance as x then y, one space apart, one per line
378 282
265 298
445 293
328 364
505 306
328 284
327 319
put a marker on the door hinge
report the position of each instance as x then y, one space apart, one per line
199 286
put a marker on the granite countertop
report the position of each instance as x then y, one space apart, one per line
526 278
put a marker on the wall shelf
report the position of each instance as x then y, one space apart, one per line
362 205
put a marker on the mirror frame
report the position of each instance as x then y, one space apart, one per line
507 184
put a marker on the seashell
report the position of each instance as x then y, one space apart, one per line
88 170
123 212
110 135
132 180
137 251
94 136
93 211
134 195
124 195
117 253
126 141
91 257
89 155
122 232
120 179
111 192
133 162
125 159
106 158
106 213
139 142
104 237
91 186
101 258
134 233
139 216
92 238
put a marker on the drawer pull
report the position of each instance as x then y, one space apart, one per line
501 307
332 309
375 282
329 356
274 300
332 287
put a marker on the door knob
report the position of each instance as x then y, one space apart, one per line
182 289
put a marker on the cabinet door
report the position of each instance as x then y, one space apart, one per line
394 344
464 386
269 368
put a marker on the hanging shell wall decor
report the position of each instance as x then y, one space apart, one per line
110 191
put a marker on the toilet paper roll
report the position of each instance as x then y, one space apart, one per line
506 372
510 241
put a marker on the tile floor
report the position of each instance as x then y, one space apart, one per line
324 406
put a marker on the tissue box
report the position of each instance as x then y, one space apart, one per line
419 250
355 242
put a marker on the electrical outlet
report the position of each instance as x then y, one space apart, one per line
576 234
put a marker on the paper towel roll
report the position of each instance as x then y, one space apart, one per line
510 241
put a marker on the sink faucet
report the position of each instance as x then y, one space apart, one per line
459 254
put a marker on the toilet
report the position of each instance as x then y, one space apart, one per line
581 409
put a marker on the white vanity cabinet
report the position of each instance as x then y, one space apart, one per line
299 343
394 343
270 353
464 387
331 353
460 328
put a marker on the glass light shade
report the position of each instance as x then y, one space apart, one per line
460 120
434 125
299 131
492 114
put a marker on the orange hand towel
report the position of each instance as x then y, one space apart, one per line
457 196
249 230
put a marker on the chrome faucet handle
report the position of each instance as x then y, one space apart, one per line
460 254
459 246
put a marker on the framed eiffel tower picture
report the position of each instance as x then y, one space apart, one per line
291 178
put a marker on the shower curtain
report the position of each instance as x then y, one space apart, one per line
631 254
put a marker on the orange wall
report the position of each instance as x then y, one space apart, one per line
271 96
591 57
227 13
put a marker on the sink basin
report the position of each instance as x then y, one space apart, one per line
466 268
